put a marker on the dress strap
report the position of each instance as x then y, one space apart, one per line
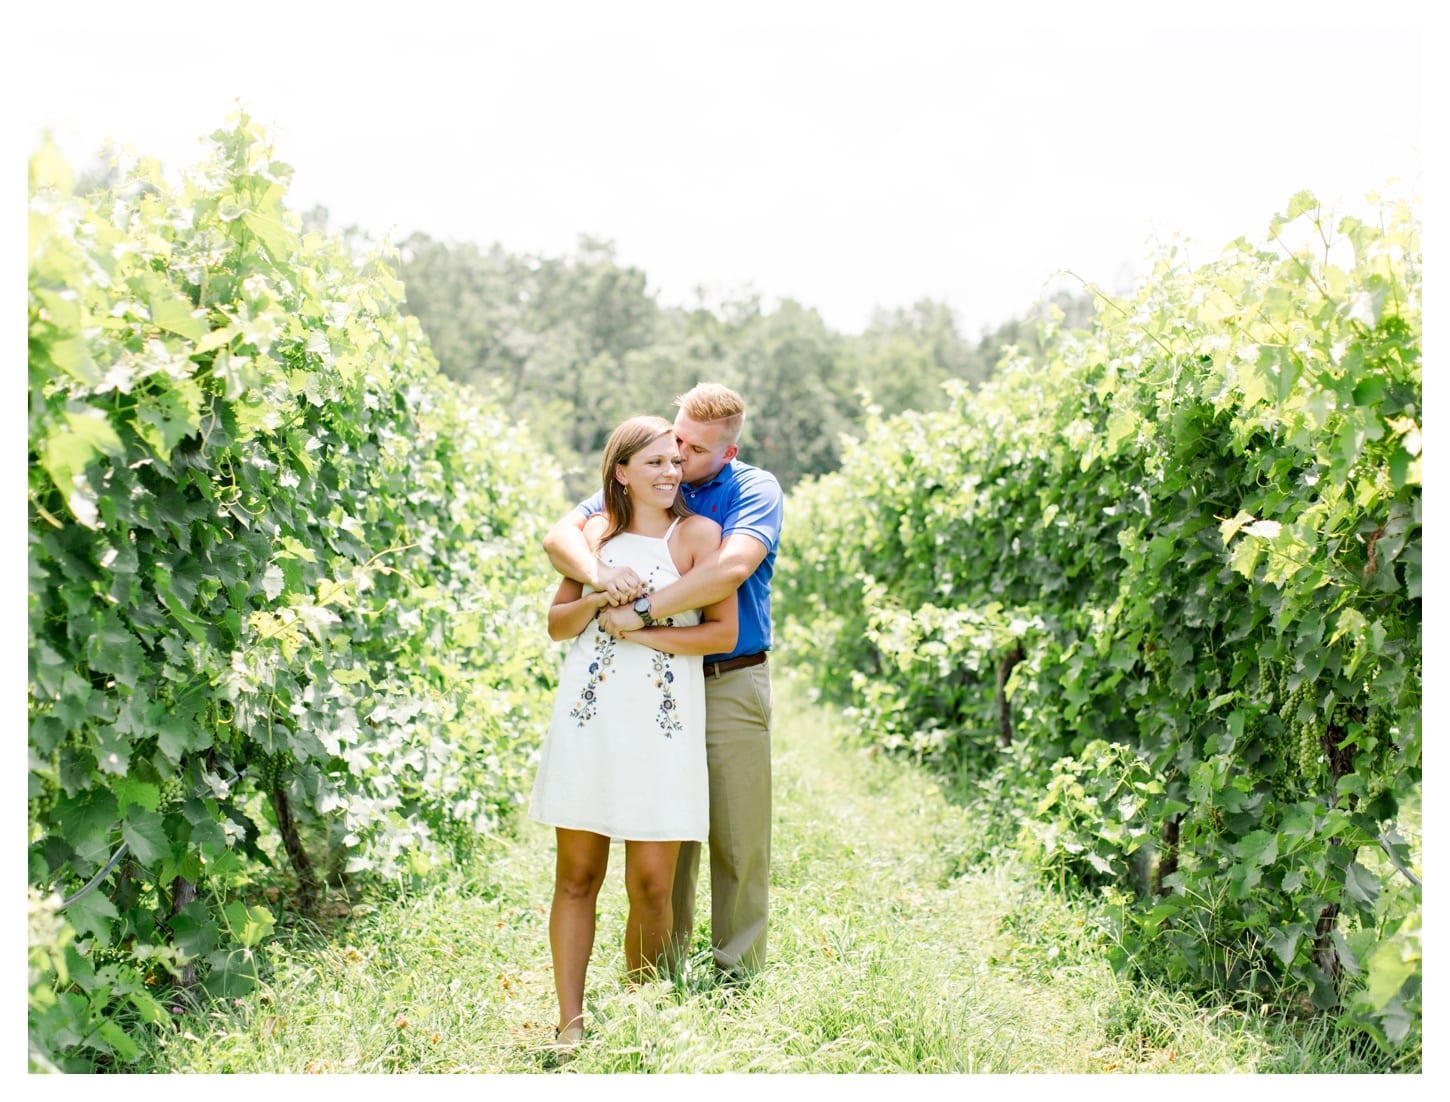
670 530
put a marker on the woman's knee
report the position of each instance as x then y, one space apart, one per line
578 879
650 888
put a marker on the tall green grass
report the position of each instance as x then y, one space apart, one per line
905 937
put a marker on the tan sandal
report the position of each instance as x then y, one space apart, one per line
567 1041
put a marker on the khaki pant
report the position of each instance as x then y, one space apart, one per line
737 751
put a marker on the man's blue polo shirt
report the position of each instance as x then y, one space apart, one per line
748 500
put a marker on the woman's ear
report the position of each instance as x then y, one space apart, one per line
619 475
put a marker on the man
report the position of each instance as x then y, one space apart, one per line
748 504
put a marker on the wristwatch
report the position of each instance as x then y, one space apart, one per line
641 606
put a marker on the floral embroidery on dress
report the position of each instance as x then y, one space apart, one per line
668 716
588 703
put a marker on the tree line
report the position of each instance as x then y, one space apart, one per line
572 344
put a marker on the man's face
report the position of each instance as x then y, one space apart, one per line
703 448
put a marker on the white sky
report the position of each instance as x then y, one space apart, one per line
847 156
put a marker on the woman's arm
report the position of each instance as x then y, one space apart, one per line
573 610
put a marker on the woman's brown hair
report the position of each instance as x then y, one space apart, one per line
624 442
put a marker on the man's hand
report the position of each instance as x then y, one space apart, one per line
573 556
621 583
620 619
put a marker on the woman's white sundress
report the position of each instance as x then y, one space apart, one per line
624 755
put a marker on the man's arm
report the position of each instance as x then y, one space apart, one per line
716 632
568 549
708 583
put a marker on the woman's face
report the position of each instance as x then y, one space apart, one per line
652 474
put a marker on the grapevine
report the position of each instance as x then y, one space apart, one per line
1209 501
272 550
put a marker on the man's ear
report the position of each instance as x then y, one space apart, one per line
731 452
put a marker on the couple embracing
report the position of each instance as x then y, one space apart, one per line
660 737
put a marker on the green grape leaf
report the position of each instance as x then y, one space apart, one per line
131 791
1388 967
166 419
1259 847
1301 202
118 1041
1284 941
1360 884
67 452
250 925
112 751
145 832
177 315
1401 465
275 236
92 915
178 735
73 356
193 931
49 169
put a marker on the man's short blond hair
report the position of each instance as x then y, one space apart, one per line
711 403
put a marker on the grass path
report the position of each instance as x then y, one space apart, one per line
881 960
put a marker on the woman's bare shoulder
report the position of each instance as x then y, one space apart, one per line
700 530
594 528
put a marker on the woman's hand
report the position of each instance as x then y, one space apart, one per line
619 621
619 583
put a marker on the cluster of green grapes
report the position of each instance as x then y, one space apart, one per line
43 802
173 791
272 770
1269 681
1306 736
1299 747
1378 738
1377 728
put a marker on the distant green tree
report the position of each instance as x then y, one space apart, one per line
1066 310
787 364
560 342
588 315
474 307
575 343
904 356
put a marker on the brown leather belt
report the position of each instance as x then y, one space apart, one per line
715 669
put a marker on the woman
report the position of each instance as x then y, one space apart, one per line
624 757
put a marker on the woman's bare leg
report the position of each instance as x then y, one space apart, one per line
649 880
579 870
